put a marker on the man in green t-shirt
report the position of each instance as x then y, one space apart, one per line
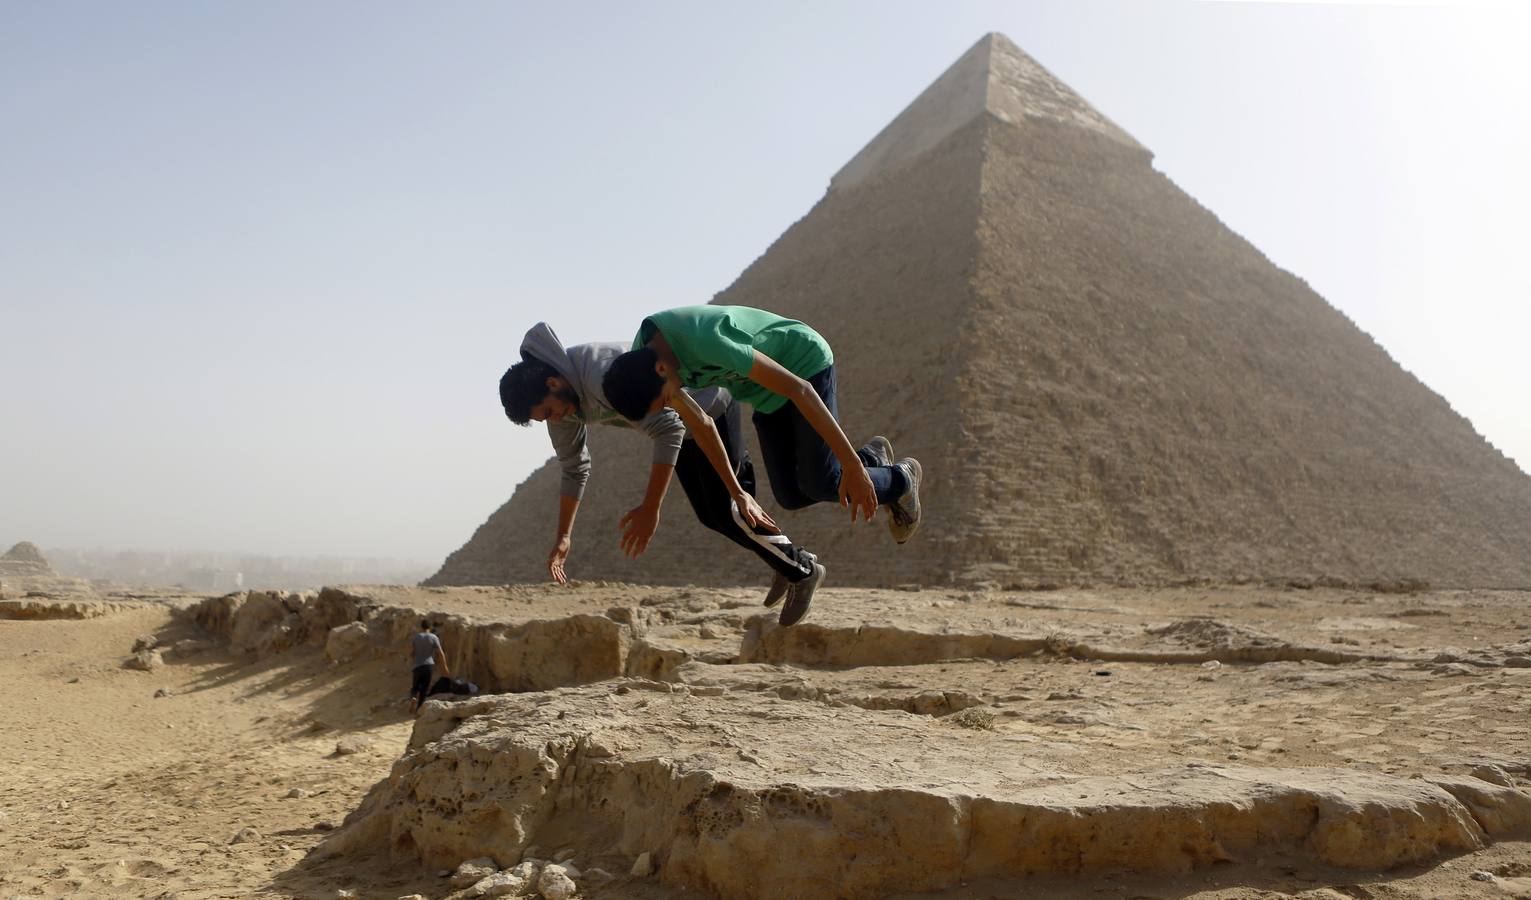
785 370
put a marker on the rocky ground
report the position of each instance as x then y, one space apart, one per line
673 742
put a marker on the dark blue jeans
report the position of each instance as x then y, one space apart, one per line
802 468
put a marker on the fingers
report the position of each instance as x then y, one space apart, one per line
622 522
862 500
635 540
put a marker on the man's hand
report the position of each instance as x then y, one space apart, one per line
856 490
556 559
750 510
637 528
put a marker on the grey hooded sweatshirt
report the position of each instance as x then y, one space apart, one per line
583 366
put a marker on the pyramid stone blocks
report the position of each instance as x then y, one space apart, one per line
1104 382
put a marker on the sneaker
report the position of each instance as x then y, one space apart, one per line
778 590
881 449
904 513
800 594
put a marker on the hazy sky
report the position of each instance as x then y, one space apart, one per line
262 264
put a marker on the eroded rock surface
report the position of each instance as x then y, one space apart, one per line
714 788
53 607
1343 728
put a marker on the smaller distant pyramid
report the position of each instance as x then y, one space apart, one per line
25 559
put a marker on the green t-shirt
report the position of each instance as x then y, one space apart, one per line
716 346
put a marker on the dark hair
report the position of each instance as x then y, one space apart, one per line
631 384
424 625
523 386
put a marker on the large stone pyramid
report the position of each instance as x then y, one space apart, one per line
1104 382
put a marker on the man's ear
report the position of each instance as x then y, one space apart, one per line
557 384
662 368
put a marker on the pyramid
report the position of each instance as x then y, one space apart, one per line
1105 384
24 559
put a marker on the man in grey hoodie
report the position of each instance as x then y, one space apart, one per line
562 386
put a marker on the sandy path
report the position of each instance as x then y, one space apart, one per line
108 791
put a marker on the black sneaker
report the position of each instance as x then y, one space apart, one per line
800 594
904 513
880 449
778 590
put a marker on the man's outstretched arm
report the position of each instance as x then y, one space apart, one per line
641 521
567 508
856 489
706 436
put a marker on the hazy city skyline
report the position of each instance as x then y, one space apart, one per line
261 266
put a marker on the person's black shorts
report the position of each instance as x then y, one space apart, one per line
422 681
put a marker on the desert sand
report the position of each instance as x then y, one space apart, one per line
1203 736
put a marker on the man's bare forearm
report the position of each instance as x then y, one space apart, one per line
811 405
567 508
771 375
659 485
705 433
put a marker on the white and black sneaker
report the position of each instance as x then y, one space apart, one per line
778 590
800 593
880 449
904 513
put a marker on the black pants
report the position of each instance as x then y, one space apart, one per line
715 508
422 681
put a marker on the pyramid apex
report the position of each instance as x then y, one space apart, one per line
994 76
25 551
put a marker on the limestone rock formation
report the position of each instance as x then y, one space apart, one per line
64 606
914 740
518 649
914 810
1106 384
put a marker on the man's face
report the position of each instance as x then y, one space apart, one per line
559 402
667 393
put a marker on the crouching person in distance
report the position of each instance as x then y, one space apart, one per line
425 649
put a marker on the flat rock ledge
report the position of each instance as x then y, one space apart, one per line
516 646
747 797
35 608
524 638
837 640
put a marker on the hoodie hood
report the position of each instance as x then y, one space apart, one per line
584 366
542 344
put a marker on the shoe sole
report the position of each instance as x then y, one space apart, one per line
774 594
786 611
898 517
